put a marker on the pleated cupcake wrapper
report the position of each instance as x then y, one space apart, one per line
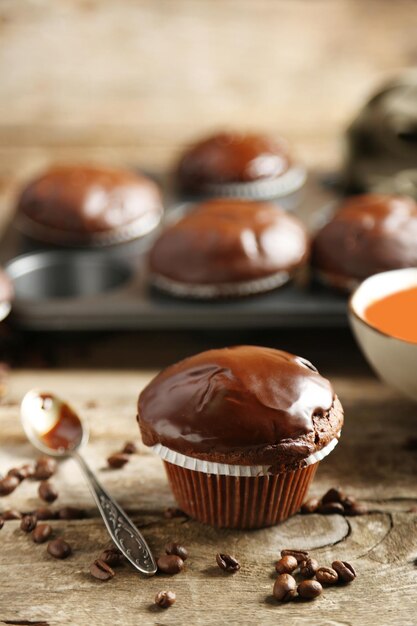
288 183
225 469
222 290
138 228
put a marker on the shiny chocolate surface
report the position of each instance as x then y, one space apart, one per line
88 199
233 399
231 157
370 233
223 241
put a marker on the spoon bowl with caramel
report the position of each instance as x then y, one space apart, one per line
53 427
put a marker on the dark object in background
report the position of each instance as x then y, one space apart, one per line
382 141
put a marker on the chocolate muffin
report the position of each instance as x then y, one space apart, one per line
87 205
240 166
369 234
6 295
241 431
228 248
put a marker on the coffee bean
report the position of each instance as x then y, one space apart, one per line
344 570
28 523
59 549
227 562
17 472
1 523
116 461
308 568
309 589
327 576
45 513
129 448
354 508
333 495
285 588
42 533
101 570
170 564
45 468
47 491
71 512
310 506
11 514
286 565
178 549
27 471
165 599
112 557
300 555
331 508
171 512
8 484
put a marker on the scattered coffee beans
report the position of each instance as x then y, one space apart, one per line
165 599
71 512
170 564
42 533
129 448
47 491
333 495
59 549
308 568
286 565
344 570
28 523
11 514
178 549
171 512
309 589
8 484
310 506
331 508
285 588
227 562
101 570
300 555
17 472
327 576
118 460
112 557
355 508
334 501
45 468
45 513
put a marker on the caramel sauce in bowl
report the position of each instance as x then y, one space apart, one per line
382 319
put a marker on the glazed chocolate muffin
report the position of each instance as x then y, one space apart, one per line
88 205
228 248
240 426
369 234
240 166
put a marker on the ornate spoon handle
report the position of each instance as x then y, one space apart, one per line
123 532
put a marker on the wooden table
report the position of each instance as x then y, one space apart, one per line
370 462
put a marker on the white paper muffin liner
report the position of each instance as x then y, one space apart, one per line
289 182
138 228
222 290
224 469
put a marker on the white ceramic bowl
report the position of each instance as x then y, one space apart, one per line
395 360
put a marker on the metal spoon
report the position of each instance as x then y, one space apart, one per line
54 428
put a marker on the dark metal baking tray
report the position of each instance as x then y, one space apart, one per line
108 289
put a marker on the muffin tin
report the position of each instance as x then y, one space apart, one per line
70 289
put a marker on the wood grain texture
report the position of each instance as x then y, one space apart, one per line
369 462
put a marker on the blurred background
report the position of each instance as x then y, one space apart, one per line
132 82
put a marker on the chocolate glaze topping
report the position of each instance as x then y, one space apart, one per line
369 234
231 157
242 405
224 241
88 199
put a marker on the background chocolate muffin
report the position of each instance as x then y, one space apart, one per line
239 165
226 248
242 428
88 205
370 233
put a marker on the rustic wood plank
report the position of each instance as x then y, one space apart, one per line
370 462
